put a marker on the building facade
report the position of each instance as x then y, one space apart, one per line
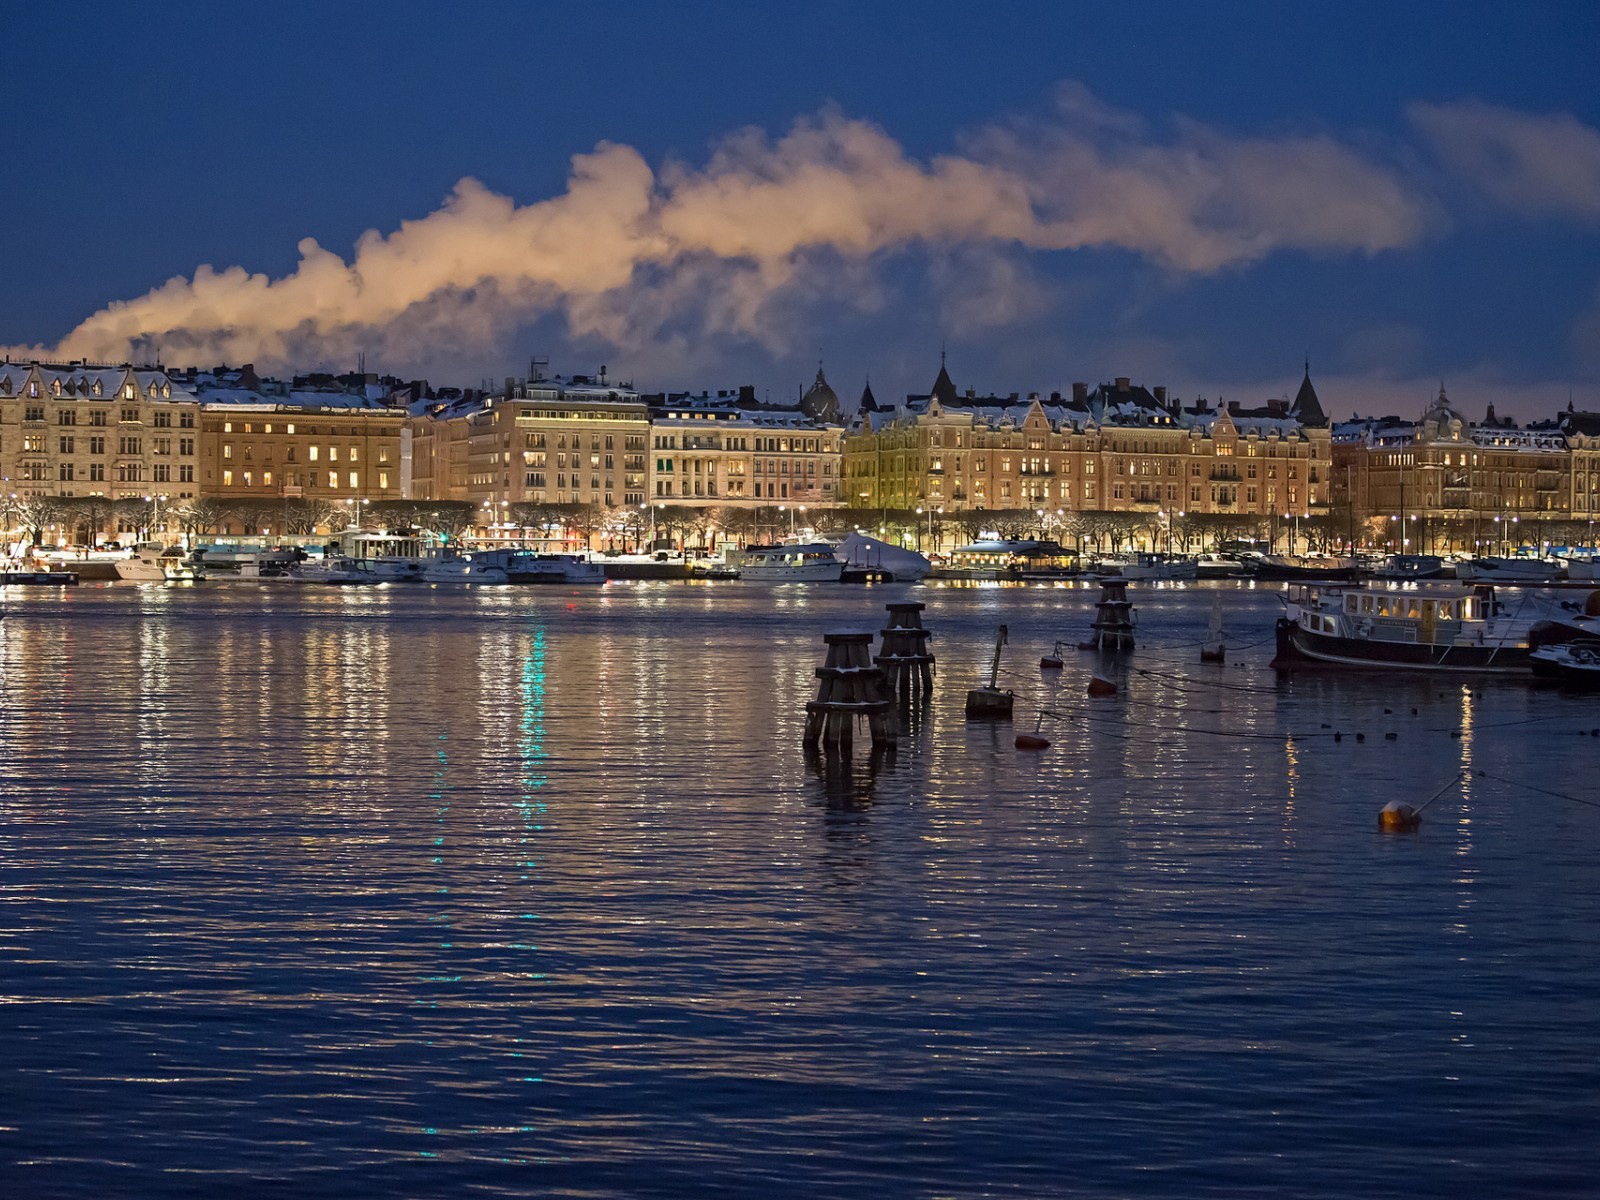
1116 448
74 431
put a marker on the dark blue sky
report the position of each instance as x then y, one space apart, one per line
1257 145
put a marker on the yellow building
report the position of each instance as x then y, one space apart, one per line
77 431
1118 448
1445 484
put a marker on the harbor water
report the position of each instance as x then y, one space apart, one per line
413 892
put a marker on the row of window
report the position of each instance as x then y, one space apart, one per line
96 472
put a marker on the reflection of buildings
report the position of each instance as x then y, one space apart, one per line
1444 483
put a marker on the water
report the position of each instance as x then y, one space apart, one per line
411 892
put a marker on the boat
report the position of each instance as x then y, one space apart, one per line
1215 566
550 568
1445 629
391 557
1572 664
225 564
1151 567
26 577
1311 567
712 568
1514 570
334 570
1585 569
867 556
803 562
155 563
1409 568
464 568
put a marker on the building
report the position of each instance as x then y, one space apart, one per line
1444 484
82 433
730 449
1117 448
267 443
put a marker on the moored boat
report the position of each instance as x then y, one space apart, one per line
810 562
465 568
1409 568
1449 629
1571 664
155 563
1492 569
1310 567
335 571
1150 567
893 563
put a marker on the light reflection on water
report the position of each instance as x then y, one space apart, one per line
400 891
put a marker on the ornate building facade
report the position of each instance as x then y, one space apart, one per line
72 430
1116 448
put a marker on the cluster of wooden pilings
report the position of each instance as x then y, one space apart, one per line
1112 627
855 685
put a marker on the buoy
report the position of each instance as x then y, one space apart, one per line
1050 663
1390 737
1361 737
1395 817
1101 687
1032 741
1338 737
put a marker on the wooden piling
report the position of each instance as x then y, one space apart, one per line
851 687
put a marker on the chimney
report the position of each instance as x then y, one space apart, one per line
1080 391
1122 383
1161 395
510 383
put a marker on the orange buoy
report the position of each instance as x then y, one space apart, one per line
1032 741
1101 687
1395 817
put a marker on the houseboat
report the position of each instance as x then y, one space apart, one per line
809 562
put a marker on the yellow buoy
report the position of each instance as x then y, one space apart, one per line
1395 817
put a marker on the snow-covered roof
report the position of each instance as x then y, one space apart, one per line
68 381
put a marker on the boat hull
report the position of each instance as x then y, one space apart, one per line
1300 647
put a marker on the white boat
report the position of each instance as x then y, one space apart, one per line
1491 569
1574 664
1422 628
464 568
522 566
1585 569
859 552
155 563
391 557
335 570
809 562
1409 568
1214 566
1153 567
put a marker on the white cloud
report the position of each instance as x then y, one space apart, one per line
1536 164
740 246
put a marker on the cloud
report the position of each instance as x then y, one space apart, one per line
1537 164
752 243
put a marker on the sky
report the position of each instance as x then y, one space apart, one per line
706 195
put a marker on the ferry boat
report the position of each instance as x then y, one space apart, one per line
1445 630
1490 569
155 563
810 562
1149 566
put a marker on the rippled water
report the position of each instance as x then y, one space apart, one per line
413 892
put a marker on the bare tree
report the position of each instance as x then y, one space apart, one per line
448 519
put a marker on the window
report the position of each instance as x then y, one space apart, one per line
162 420
66 416
130 414
33 413
266 479
97 472
355 480
66 472
66 445
161 473
185 473
127 445
33 443
97 445
333 479
98 417
227 479
311 454
186 421
227 450
186 446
